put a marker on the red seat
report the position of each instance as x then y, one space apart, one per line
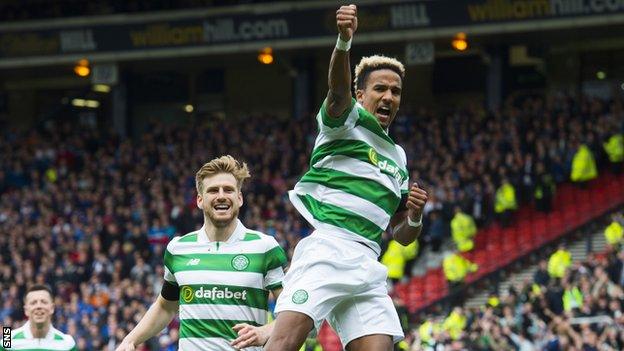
328 338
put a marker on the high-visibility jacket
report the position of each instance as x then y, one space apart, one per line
425 331
583 165
393 260
51 175
493 301
572 298
505 198
463 229
456 267
410 251
403 345
558 263
614 147
614 233
454 324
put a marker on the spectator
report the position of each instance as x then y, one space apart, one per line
463 229
77 203
544 189
541 276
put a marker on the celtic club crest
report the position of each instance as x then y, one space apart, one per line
240 262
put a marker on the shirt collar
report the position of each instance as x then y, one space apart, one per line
238 234
29 335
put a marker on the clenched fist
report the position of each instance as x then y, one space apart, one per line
346 21
416 201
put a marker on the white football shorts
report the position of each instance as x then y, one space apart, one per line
341 281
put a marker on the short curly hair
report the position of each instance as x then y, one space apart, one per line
223 164
374 63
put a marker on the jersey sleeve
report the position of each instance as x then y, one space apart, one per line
275 261
168 263
405 184
170 290
328 124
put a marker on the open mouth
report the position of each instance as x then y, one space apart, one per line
221 208
383 112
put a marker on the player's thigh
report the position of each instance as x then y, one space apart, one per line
368 314
322 276
375 342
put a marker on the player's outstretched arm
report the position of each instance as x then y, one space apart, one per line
339 79
407 225
249 335
155 319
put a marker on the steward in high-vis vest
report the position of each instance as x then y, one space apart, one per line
614 233
583 165
455 323
505 202
456 267
428 331
396 257
559 262
463 230
614 147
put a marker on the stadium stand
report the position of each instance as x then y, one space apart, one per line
521 131
87 212
581 311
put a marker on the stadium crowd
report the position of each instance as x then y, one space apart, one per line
580 311
89 212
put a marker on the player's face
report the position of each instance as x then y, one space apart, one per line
38 306
221 199
382 95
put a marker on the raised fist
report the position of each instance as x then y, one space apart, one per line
346 21
416 201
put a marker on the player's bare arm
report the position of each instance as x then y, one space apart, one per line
155 319
407 225
339 94
249 335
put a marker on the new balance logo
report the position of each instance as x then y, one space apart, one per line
193 262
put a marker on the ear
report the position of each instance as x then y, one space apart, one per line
240 197
359 95
200 202
26 311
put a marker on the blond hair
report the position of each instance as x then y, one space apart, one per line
223 164
374 63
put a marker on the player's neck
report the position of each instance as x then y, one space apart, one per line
39 330
215 233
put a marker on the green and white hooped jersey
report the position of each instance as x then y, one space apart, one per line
222 284
55 340
356 178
